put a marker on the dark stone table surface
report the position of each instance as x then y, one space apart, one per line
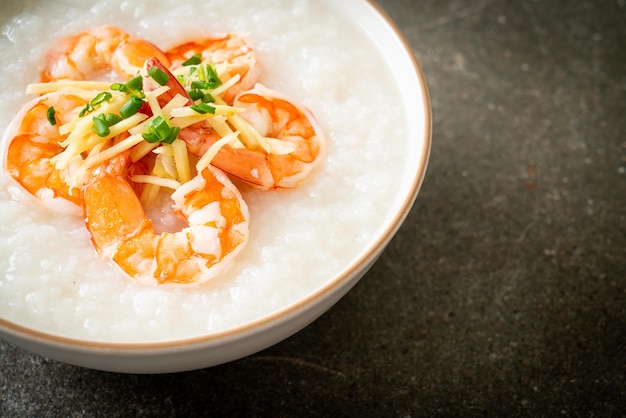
503 294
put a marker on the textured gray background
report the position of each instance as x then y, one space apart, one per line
504 291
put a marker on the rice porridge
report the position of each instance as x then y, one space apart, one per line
50 276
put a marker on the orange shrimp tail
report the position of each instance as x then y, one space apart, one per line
112 210
172 82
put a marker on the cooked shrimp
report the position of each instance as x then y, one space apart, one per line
31 141
287 141
108 152
216 215
231 55
296 141
97 52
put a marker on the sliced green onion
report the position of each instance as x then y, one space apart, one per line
158 75
96 101
100 126
102 122
208 74
196 94
135 83
161 127
199 85
50 115
111 119
150 137
207 79
132 86
100 98
159 130
194 60
212 78
119 87
85 110
172 136
131 107
204 108
208 98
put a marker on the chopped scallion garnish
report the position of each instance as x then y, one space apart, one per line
100 126
101 98
96 101
102 122
131 107
196 94
85 110
208 98
194 60
159 130
212 78
158 75
208 74
133 86
111 119
135 83
204 108
51 116
199 85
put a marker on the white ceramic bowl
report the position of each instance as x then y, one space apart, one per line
250 337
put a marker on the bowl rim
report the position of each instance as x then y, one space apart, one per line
283 314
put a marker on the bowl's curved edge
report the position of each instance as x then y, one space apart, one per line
228 345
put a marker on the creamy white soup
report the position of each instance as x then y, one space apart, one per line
51 278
